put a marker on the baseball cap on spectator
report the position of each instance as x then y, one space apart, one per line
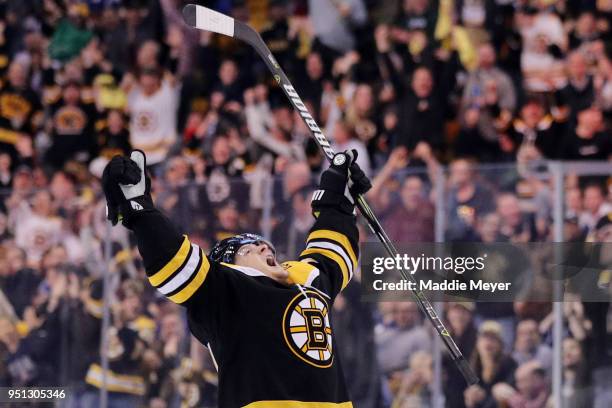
469 306
491 328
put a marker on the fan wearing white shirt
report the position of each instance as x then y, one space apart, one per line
153 105
37 228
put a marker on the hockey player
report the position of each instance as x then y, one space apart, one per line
266 324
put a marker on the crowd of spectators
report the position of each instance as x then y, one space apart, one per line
420 88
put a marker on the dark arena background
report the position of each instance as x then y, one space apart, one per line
478 121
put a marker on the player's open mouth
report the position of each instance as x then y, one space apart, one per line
270 260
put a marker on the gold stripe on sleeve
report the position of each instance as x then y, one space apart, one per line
334 257
339 238
175 263
195 283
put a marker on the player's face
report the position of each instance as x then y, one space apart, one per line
261 256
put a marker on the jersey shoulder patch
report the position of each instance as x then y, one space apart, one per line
300 273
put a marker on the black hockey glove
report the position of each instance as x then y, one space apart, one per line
127 187
360 183
334 190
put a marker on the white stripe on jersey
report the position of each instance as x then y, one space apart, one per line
317 195
185 274
336 248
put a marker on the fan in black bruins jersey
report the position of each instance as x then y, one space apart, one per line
266 324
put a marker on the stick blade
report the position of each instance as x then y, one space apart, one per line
204 18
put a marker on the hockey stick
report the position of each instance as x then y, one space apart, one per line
206 19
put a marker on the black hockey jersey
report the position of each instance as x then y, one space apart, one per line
273 343
124 375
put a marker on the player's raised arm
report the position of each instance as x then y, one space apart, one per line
175 266
333 242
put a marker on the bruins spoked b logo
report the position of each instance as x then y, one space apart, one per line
307 330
